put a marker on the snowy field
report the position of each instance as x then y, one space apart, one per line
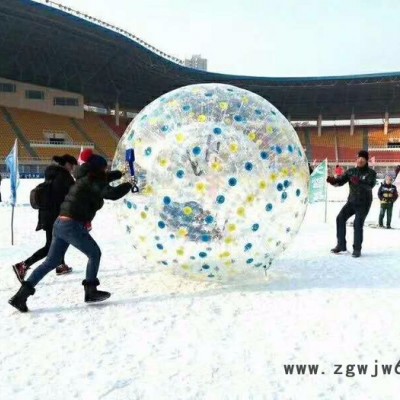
163 337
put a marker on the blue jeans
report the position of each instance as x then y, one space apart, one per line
66 233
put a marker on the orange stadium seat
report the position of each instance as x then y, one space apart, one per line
323 146
7 139
110 121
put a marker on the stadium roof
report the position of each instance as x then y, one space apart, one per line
47 46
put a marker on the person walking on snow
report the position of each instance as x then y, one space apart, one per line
361 180
72 227
58 177
387 194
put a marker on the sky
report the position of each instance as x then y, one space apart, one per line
265 37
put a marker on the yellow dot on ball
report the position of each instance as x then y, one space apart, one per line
245 100
153 121
250 198
228 121
148 190
270 129
273 177
163 162
173 103
223 105
233 147
201 187
252 136
180 137
202 118
182 232
187 210
229 240
180 252
216 166
142 238
225 254
231 227
262 185
241 212
185 267
143 215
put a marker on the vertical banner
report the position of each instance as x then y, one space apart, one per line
12 165
318 190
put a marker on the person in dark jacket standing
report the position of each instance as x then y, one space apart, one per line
59 177
361 180
387 194
72 227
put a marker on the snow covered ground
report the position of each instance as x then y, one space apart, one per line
163 337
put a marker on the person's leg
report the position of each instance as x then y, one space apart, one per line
345 213
389 215
57 250
361 214
382 214
41 253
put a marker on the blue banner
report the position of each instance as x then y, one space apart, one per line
12 165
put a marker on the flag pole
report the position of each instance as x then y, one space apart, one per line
12 226
326 190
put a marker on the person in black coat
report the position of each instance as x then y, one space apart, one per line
361 180
72 227
387 194
59 177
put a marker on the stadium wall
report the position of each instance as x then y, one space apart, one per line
38 98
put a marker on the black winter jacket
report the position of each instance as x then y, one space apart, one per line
387 193
87 196
61 181
361 192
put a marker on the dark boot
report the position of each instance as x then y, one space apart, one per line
20 270
19 299
63 269
338 249
356 253
92 294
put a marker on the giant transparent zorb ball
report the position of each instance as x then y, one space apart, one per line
223 182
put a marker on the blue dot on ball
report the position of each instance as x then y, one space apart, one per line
217 131
248 166
148 151
172 236
238 118
196 150
206 238
186 107
268 207
278 149
248 246
161 224
160 246
167 200
286 183
298 192
255 227
258 112
165 128
220 199
249 260
206 266
202 254
129 204
264 155
279 186
180 173
284 195
208 94
209 219
232 181
290 148
164 262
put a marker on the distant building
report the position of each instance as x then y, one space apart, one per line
197 62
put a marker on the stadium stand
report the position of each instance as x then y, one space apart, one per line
323 146
110 121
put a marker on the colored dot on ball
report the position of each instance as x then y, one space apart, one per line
284 195
248 246
255 227
180 252
290 148
143 215
164 262
268 207
208 94
220 199
180 173
205 266
206 238
252 136
279 186
164 128
258 112
234 147
147 151
217 131
232 181
196 150
160 246
241 211
129 204
278 150
286 183
238 118
298 192
223 105
202 118
202 254
186 107
167 200
209 219
163 162
248 166
161 224
249 260
264 155
180 137
187 210
231 227
262 185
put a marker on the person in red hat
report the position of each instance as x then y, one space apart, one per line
361 180
72 227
